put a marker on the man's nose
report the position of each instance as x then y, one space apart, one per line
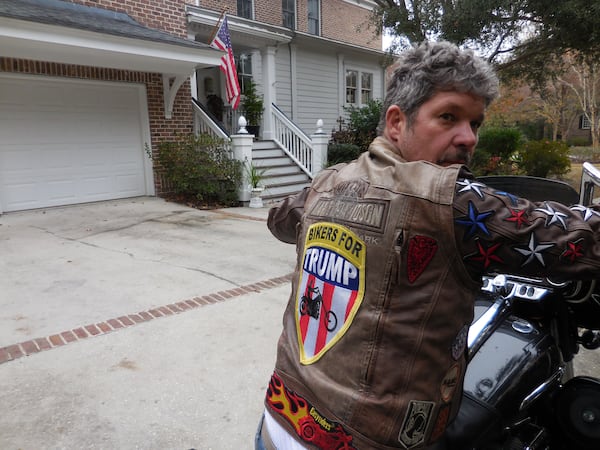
466 135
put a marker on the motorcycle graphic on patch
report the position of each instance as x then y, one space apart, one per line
330 289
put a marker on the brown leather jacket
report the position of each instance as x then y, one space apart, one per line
390 256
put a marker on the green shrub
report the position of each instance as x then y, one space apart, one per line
495 150
502 142
362 123
200 167
544 158
339 153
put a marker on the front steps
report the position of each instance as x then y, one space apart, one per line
282 177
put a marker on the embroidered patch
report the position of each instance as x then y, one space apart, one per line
421 250
485 254
470 186
533 251
554 217
586 213
310 425
440 423
415 423
449 383
519 218
460 343
474 221
573 251
330 289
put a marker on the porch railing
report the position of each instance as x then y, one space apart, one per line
293 141
288 136
206 123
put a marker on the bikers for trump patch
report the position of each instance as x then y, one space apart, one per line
330 289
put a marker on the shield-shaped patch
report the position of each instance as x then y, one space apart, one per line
330 289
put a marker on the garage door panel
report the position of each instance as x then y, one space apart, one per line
68 141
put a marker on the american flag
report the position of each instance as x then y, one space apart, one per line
222 41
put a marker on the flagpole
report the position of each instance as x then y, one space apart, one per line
216 29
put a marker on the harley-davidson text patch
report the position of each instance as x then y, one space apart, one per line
330 289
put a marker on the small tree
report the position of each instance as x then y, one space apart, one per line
348 143
252 104
363 123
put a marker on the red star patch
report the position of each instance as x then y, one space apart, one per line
573 251
486 255
518 217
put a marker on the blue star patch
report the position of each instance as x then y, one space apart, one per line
514 200
474 221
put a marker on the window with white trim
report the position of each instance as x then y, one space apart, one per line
244 70
584 123
289 13
244 8
359 87
314 16
366 87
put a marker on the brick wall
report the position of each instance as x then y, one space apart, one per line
340 20
161 129
166 15
352 26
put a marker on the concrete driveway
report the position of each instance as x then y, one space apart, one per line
140 324
137 323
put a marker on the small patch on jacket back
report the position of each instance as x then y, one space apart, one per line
421 250
415 423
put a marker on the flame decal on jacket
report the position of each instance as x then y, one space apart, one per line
308 423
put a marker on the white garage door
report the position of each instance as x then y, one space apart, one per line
67 141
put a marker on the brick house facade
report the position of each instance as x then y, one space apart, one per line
161 46
351 27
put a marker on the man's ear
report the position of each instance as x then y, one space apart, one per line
395 123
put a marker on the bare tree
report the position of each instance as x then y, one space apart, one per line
585 84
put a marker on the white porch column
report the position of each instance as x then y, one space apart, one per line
269 95
320 140
241 145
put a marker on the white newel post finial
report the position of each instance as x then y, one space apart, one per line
242 122
319 127
320 140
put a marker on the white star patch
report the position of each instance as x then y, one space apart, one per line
534 251
586 213
468 185
554 217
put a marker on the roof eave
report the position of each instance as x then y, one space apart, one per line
31 40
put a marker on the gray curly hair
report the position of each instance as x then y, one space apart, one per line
432 67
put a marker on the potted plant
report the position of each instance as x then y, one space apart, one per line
252 107
255 178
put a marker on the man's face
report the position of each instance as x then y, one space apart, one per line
443 132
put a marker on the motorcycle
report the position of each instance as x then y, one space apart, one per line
520 391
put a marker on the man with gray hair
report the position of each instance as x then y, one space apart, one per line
391 248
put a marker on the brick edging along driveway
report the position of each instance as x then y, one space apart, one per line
37 345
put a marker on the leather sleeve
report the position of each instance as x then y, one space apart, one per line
284 218
499 232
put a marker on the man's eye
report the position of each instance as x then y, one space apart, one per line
476 125
447 116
